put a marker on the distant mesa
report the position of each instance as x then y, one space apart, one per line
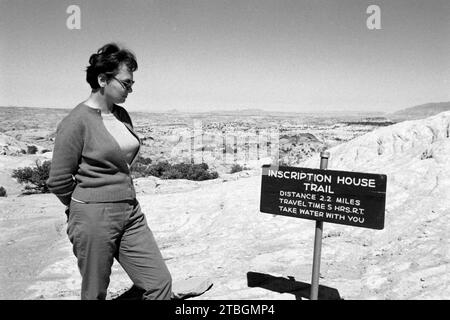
298 139
421 111
251 111
247 112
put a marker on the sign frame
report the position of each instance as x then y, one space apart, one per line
342 197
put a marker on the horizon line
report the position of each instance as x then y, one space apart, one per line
271 111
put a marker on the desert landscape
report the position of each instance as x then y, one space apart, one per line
214 228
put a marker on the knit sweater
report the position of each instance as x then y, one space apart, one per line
88 163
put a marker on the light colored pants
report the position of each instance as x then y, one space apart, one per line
100 232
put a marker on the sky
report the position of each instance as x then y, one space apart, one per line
198 55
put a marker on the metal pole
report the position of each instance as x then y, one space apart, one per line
224 147
324 155
235 148
192 144
257 144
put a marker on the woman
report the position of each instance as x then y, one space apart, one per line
95 147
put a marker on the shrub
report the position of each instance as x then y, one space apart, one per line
159 168
236 168
165 170
141 167
32 149
143 160
34 178
427 154
3 192
171 173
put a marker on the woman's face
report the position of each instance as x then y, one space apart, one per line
118 87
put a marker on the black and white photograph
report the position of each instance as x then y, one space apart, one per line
221 150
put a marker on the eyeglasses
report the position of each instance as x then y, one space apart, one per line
127 85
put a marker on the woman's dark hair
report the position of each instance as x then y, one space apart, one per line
107 61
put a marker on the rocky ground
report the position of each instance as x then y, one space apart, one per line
215 229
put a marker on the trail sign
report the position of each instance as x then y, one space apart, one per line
342 197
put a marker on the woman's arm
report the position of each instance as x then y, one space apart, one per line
66 158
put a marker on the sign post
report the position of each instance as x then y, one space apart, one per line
318 240
342 197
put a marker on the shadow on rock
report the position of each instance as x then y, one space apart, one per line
181 289
134 293
289 285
